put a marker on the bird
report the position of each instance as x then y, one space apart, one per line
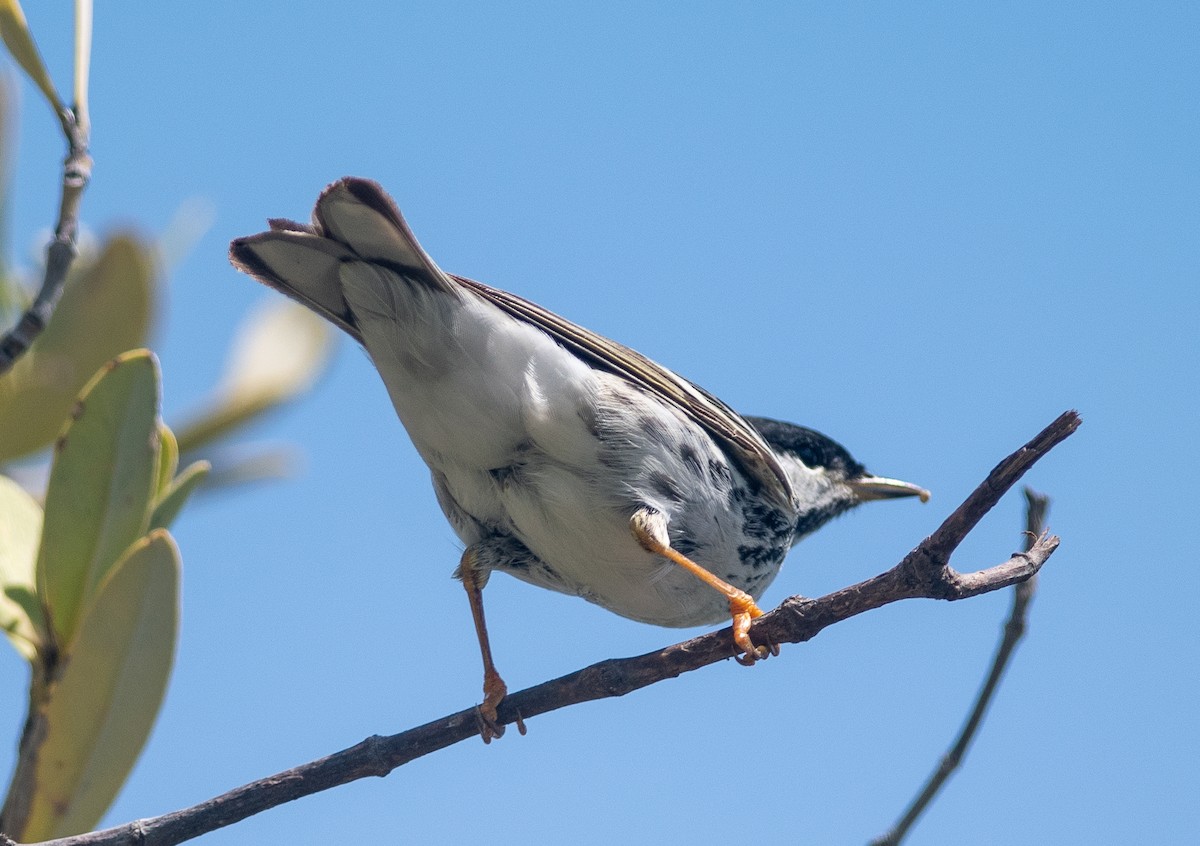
558 456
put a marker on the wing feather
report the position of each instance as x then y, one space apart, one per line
731 431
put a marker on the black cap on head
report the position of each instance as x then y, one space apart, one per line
808 445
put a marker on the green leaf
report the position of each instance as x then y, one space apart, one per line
105 310
246 465
20 528
172 500
99 712
168 459
32 606
83 61
280 350
101 484
15 31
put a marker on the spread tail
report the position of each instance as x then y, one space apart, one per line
354 220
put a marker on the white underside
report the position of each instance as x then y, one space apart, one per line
479 391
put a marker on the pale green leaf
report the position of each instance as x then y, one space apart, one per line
20 529
100 711
15 31
83 61
105 310
250 464
279 352
172 500
168 459
101 484
29 645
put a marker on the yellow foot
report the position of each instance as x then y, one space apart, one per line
494 691
744 612
650 530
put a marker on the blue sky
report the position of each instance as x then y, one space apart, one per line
925 229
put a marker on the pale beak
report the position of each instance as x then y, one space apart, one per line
867 488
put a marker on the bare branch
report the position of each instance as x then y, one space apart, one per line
1006 474
796 620
1014 628
77 172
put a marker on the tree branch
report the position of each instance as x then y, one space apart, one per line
1014 629
924 572
77 172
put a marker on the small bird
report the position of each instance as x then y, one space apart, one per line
558 456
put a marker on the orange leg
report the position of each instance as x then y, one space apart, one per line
494 688
650 530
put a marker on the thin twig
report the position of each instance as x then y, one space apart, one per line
77 172
1014 628
796 620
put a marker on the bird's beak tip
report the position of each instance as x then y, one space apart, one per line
877 487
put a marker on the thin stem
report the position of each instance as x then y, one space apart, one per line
77 172
1014 628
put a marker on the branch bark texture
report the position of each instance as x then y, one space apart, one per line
77 172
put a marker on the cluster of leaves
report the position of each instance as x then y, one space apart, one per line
91 581
93 603
89 572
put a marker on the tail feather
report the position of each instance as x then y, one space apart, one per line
354 219
305 267
360 214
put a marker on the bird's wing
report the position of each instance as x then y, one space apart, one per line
730 429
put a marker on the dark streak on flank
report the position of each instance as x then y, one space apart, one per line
664 486
691 459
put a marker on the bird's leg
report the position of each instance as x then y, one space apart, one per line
494 688
650 529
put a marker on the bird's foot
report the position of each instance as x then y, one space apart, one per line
650 530
745 611
494 691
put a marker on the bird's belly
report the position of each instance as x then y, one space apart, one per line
581 543
650 590
608 567
475 388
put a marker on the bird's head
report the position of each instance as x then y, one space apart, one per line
826 478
